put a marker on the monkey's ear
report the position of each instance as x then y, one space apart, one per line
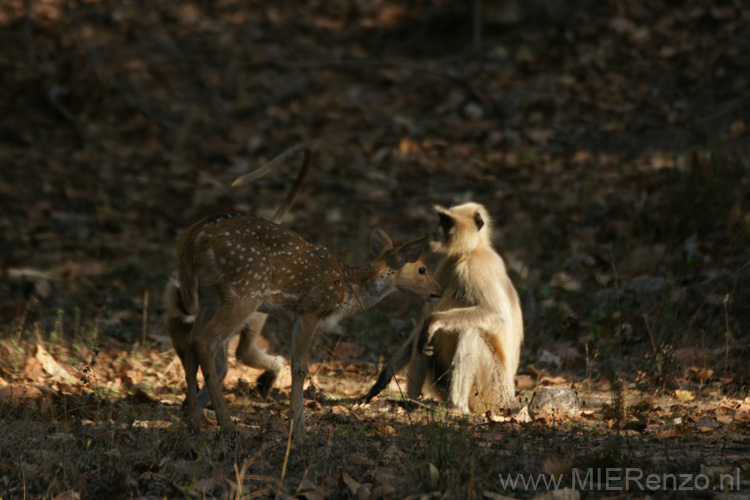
410 252
380 242
478 220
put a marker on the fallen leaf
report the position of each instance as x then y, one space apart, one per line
522 416
68 495
434 475
206 485
566 282
701 375
393 453
684 395
360 460
351 484
382 491
725 419
525 381
47 361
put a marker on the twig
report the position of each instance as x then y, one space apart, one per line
169 366
653 345
145 317
727 333
286 457
650 335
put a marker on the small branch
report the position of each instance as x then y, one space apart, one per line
145 318
727 332
286 458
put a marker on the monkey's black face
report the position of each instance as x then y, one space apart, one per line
446 222
442 233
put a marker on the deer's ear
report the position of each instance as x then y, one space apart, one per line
410 252
380 242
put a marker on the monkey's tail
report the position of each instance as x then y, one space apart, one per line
298 182
383 380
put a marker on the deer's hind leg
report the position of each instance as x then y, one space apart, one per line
222 354
207 337
186 349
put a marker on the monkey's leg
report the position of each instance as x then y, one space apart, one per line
488 389
469 361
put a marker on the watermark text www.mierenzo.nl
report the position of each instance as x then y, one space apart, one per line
623 479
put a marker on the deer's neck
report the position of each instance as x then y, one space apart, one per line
365 287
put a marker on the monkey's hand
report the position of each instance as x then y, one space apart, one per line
431 326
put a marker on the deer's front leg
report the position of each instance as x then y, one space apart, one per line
302 335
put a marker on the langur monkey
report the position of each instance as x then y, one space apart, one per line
467 346
180 322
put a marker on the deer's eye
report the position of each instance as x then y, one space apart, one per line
422 270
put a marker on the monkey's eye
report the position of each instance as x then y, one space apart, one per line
422 270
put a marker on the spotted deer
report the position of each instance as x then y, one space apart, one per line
232 267
180 322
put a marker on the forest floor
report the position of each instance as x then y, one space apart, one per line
609 141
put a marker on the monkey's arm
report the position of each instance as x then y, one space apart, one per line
393 365
459 318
